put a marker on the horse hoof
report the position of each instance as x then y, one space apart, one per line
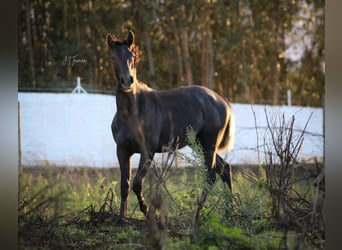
123 213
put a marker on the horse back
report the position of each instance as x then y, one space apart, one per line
193 106
165 116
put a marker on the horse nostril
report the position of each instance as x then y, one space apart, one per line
126 82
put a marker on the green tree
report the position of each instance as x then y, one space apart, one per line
237 48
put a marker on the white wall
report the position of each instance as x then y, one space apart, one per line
75 130
67 129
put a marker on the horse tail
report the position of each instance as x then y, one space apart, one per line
229 132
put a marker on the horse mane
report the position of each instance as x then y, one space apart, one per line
144 86
135 50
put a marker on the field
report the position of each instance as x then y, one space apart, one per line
276 203
64 208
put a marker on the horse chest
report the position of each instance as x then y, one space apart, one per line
130 133
122 132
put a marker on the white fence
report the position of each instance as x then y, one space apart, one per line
74 130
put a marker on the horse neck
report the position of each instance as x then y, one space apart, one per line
127 102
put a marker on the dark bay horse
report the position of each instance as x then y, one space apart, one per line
147 120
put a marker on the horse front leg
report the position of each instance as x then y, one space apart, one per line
138 181
125 161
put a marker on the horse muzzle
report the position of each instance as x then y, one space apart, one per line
126 83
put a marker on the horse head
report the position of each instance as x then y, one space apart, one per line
125 57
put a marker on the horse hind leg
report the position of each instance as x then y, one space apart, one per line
215 163
224 170
210 165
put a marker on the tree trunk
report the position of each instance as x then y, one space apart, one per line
180 72
95 79
210 60
276 74
149 57
204 55
65 15
276 85
276 78
30 46
65 35
77 10
207 59
186 56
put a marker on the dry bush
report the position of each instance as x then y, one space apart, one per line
296 201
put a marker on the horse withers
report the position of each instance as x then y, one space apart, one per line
147 120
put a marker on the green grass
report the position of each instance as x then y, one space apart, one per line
65 208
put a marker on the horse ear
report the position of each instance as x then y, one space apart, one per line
130 38
110 41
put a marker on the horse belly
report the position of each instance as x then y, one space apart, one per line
174 128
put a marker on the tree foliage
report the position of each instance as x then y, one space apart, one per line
238 48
